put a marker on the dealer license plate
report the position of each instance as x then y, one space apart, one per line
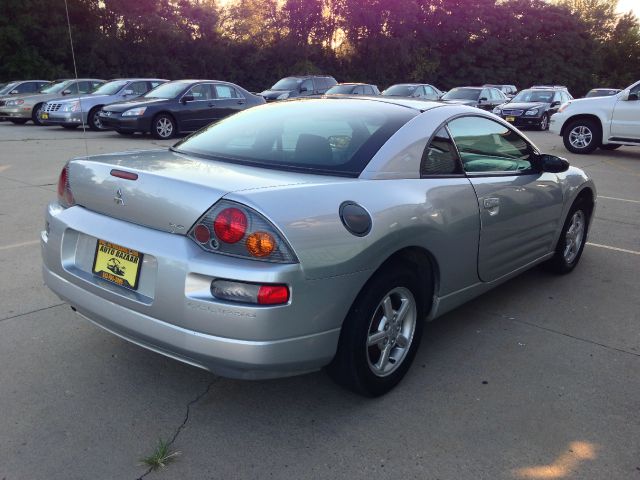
44 115
119 265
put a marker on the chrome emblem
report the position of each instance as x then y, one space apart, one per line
118 198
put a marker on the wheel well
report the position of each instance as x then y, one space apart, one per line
98 107
586 196
426 268
168 114
580 117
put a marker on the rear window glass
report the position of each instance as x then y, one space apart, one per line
336 137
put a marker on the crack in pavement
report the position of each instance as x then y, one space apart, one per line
32 311
558 332
186 419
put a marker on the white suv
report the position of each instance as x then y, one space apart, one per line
606 122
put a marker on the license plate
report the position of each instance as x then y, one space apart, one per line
510 119
119 265
44 116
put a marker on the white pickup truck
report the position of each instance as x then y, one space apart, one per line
606 122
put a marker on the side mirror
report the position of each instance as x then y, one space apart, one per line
483 99
66 92
553 164
127 92
632 97
555 104
187 98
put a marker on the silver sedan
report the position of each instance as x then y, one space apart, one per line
310 233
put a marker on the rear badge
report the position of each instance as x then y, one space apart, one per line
118 198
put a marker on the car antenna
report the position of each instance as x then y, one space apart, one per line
75 71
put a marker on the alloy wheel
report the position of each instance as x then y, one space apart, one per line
164 127
574 237
391 331
580 137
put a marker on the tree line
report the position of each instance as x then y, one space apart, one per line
578 43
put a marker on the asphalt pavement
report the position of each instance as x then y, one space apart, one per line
538 379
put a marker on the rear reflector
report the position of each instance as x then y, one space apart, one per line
252 293
123 174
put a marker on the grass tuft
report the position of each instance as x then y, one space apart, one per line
161 456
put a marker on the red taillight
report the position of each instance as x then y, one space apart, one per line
124 175
273 295
202 234
65 197
230 225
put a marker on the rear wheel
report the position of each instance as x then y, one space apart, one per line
381 333
35 114
19 121
582 136
572 240
93 119
163 127
610 146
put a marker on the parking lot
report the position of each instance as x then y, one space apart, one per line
537 379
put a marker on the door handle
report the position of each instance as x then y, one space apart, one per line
491 204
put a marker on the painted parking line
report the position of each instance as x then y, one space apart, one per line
18 245
609 247
619 199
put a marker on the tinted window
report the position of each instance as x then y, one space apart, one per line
110 88
201 92
168 90
400 90
359 90
225 91
28 87
289 83
635 89
139 88
488 146
439 158
341 89
318 136
308 84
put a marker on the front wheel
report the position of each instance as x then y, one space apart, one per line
572 240
381 333
582 136
544 122
93 119
35 114
163 127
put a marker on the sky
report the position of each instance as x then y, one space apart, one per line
626 5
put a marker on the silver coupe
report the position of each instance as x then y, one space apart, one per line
310 233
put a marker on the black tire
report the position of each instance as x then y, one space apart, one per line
35 113
93 120
544 122
610 146
70 127
562 263
163 126
124 132
19 121
355 362
591 136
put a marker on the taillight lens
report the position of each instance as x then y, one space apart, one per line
233 229
242 292
65 196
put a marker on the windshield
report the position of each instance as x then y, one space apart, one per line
289 83
168 90
5 88
110 88
328 136
544 96
342 89
462 94
400 90
55 87
601 92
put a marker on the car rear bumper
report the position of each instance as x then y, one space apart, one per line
173 312
15 112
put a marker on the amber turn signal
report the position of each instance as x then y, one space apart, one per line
260 244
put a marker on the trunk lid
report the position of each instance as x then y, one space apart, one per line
172 190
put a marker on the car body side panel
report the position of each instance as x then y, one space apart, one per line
438 215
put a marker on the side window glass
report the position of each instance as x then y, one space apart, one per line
225 91
155 84
484 94
430 93
83 87
201 92
24 88
635 89
487 146
308 84
368 90
358 90
439 158
139 88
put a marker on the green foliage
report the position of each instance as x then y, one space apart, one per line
579 43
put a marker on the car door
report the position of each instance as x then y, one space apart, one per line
625 120
227 102
520 206
484 100
198 111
